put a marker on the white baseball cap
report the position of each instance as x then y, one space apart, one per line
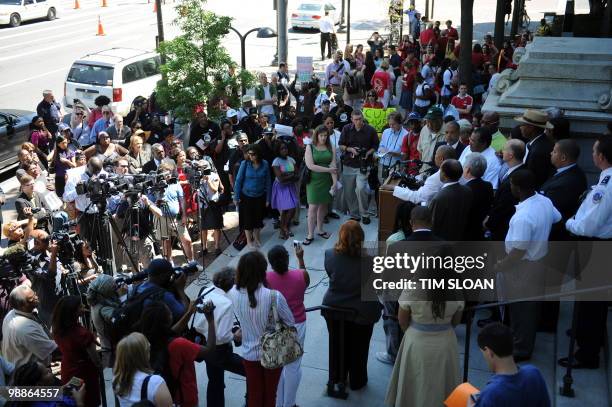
231 113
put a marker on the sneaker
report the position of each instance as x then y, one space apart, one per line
384 357
365 220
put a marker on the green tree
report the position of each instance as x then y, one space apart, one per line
197 68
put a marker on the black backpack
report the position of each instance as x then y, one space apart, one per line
351 84
126 316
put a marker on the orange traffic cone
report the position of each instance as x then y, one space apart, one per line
100 28
104 3
155 6
76 4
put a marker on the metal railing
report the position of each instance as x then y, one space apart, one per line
565 390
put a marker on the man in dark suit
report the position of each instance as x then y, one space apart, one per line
158 155
538 147
451 138
566 185
482 195
420 222
450 207
497 222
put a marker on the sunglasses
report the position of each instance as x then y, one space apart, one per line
78 114
106 112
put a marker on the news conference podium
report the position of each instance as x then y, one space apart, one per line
387 207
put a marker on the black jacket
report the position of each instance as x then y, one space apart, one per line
538 159
564 191
502 209
458 149
149 166
482 199
449 209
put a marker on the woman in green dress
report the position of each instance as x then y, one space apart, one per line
320 158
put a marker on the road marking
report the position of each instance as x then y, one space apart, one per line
7 85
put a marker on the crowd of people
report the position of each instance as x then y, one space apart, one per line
140 187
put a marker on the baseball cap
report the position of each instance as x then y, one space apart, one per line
231 113
159 267
434 113
413 116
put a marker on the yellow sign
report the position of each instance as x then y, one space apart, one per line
377 118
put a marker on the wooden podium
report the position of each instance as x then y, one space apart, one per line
387 207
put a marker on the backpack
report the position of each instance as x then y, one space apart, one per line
351 84
126 316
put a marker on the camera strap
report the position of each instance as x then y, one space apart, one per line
200 297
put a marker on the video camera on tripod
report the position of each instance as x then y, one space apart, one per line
14 262
66 241
196 170
103 186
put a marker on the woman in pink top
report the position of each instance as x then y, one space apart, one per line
292 284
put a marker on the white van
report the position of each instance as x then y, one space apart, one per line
121 74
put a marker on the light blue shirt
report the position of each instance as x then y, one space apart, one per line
100 125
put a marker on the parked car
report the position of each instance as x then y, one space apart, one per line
13 12
121 74
14 130
309 13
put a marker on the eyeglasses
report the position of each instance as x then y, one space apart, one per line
123 166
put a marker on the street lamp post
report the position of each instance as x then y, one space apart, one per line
262 32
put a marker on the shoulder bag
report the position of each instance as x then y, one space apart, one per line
280 346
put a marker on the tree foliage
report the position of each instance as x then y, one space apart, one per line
197 67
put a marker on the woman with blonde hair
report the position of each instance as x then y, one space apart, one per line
133 378
138 153
348 53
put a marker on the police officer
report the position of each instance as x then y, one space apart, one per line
593 221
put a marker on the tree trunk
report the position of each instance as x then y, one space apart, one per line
499 24
465 56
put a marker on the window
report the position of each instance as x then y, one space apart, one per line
150 66
10 2
329 7
131 73
28 2
309 7
3 120
41 1
91 74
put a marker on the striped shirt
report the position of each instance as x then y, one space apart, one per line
254 321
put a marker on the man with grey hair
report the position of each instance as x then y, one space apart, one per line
24 337
119 132
158 155
222 358
482 195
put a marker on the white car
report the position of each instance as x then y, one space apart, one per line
309 13
121 74
13 12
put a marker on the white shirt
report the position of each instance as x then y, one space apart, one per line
449 110
432 186
392 141
493 164
528 147
594 217
254 321
267 109
326 25
223 315
25 340
428 74
82 202
134 395
446 79
530 227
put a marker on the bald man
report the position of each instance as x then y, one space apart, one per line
490 120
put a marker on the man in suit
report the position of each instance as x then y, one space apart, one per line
480 142
538 147
503 203
451 138
158 155
482 195
450 206
420 222
118 132
566 186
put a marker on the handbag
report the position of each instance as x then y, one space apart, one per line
280 346
305 171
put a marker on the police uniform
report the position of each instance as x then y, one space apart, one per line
594 217
593 221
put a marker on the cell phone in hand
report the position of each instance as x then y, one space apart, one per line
297 244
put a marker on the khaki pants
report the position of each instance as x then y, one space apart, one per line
355 194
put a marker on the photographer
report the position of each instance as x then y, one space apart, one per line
28 199
227 330
202 132
76 191
171 288
103 299
358 142
139 112
45 280
211 212
18 232
171 211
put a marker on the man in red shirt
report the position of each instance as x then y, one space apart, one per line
451 32
426 37
463 102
